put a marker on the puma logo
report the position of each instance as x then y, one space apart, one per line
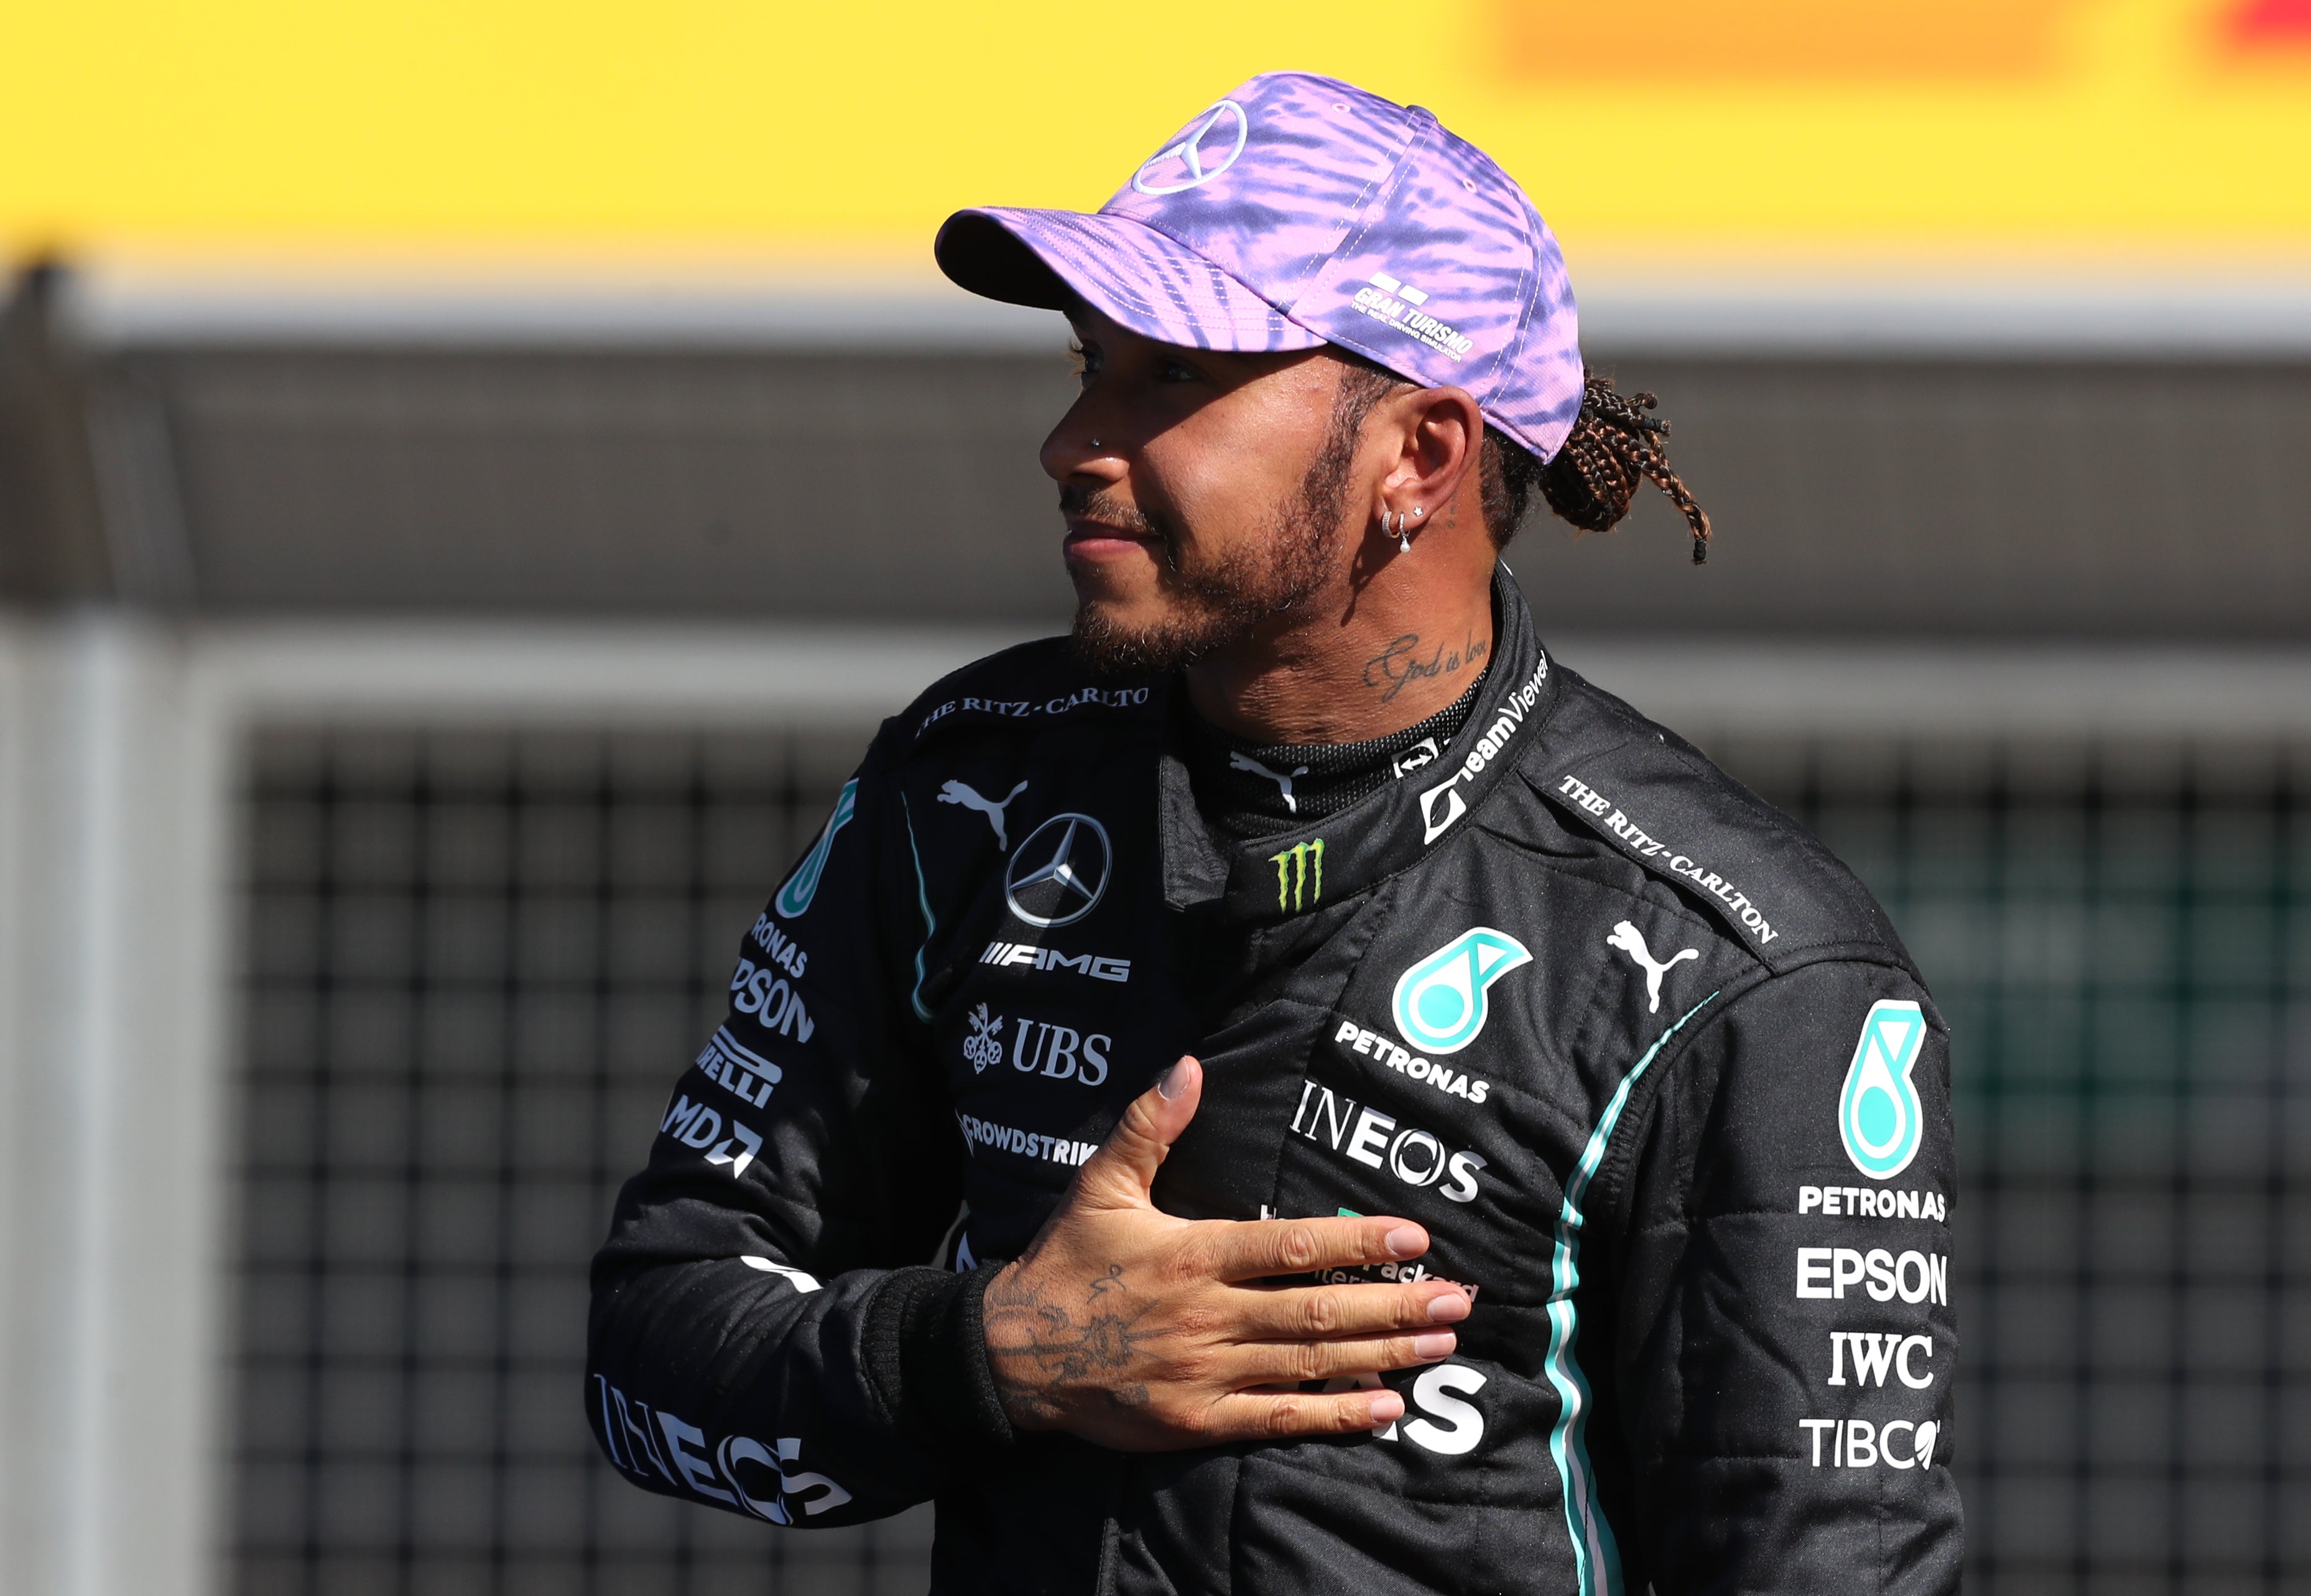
958 792
1244 762
1629 940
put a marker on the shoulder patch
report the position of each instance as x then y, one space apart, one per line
1658 801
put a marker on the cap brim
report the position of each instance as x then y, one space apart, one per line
1124 269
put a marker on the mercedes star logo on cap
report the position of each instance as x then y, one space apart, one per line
1058 873
1189 153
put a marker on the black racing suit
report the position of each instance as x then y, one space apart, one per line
1648 1063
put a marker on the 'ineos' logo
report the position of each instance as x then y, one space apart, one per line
1189 154
1058 873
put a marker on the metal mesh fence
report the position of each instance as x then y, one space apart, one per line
476 964
476 960
2121 939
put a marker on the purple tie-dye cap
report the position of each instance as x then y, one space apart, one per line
1301 211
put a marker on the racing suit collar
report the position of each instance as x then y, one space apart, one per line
1277 877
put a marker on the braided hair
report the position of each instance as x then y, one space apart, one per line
1615 443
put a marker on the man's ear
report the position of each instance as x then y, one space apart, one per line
1440 435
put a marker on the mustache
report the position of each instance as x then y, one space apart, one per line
1100 504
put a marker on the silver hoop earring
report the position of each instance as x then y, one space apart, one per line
1403 537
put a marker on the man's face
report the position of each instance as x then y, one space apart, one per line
1215 500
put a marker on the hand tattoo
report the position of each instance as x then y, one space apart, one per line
1055 1350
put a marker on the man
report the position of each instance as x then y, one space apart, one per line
1295 1090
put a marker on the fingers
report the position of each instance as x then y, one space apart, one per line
1276 1363
1249 1417
1324 1313
1254 1249
1120 1172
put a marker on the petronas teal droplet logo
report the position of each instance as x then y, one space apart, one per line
1440 1002
802 886
1878 1114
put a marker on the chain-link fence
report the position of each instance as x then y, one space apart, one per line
476 960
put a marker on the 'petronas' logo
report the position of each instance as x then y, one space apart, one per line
1299 875
1877 1112
1440 1002
802 886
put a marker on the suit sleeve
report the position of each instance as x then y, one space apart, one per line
1787 1347
767 1336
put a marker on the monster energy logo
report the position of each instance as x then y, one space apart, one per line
1293 867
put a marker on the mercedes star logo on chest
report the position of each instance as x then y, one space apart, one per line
1058 874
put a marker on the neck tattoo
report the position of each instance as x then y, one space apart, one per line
1411 658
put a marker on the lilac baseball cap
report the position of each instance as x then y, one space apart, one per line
1301 211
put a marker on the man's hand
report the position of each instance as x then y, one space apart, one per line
1147 1333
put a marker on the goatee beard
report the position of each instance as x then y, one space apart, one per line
1217 604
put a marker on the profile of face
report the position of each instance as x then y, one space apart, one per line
1207 494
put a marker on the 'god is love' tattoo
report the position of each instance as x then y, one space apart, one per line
1399 664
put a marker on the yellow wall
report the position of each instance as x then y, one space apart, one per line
1880 126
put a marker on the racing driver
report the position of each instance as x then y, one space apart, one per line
1291 1089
